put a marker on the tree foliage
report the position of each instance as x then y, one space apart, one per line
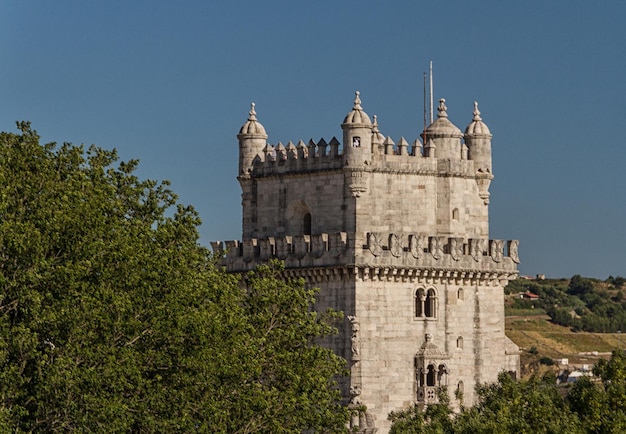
114 319
591 405
602 405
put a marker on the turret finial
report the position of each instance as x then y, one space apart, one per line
476 112
375 125
357 101
252 113
441 110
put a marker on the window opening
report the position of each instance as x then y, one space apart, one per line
306 224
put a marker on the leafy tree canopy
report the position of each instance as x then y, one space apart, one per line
114 319
591 405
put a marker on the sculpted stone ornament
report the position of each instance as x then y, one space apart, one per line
248 249
266 248
337 243
283 247
395 245
497 250
356 184
300 246
319 244
456 248
513 250
416 245
436 247
476 249
361 421
355 341
373 243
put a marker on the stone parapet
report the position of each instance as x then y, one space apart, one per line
299 158
312 156
434 256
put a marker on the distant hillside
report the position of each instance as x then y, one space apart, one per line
580 303
578 319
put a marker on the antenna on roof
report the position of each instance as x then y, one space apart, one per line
424 130
431 91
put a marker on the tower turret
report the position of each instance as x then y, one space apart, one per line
478 140
445 136
357 135
252 139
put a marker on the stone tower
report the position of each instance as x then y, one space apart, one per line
397 237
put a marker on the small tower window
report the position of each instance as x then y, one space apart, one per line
459 294
455 214
356 142
306 224
459 342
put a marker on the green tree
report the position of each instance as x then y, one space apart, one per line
509 406
284 379
434 419
579 285
602 405
114 319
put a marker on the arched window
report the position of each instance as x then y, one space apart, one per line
459 342
425 303
430 306
306 224
430 375
455 214
459 388
420 377
299 220
459 294
420 297
442 375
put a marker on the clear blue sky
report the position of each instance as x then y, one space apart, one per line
170 83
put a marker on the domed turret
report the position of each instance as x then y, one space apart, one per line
357 116
477 127
252 140
478 141
445 136
357 135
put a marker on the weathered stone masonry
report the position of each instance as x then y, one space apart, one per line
396 236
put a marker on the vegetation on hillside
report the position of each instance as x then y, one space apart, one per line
579 303
114 319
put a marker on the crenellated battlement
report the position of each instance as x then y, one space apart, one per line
379 251
299 157
387 156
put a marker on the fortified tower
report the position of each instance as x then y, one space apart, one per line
397 237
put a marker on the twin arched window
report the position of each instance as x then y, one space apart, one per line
432 375
426 303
